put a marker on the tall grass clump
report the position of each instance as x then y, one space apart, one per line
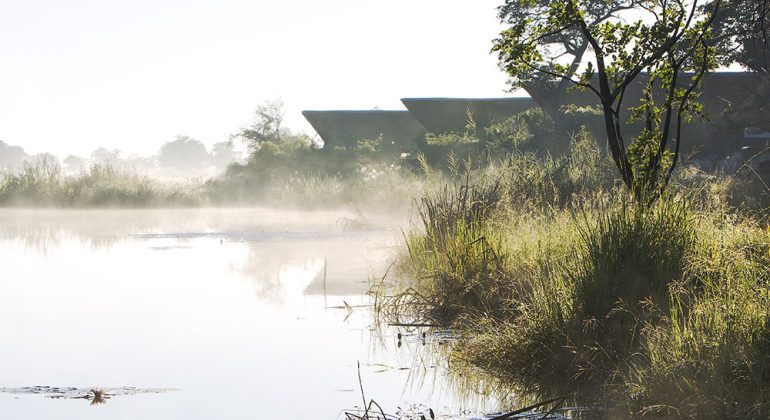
627 255
456 254
36 182
43 183
711 356
580 324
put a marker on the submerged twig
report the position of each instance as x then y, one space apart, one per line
403 324
553 409
363 397
506 416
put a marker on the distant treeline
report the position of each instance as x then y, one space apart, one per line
183 157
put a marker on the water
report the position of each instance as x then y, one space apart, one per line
224 309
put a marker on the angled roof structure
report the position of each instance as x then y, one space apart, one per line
402 130
344 128
442 115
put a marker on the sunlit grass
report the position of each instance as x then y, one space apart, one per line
565 287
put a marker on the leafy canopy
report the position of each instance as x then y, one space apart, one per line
602 47
741 33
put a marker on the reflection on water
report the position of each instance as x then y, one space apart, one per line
95 396
98 396
233 307
42 229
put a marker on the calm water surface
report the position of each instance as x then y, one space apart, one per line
227 307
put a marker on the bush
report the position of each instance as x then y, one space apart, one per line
530 182
528 131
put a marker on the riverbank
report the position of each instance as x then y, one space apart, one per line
562 286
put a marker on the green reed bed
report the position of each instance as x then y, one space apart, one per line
44 184
659 311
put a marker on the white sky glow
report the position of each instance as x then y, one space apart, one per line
81 74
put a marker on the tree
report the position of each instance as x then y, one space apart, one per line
183 154
267 125
11 157
142 164
665 39
75 163
45 159
563 51
223 154
104 156
741 34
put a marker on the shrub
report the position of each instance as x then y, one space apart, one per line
529 131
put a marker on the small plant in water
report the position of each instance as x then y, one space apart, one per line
99 396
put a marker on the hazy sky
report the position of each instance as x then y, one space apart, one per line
132 74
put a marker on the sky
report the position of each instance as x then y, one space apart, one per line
133 74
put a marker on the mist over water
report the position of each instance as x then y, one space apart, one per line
229 307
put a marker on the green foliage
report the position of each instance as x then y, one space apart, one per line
438 147
455 253
296 173
742 33
284 168
465 275
267 126
509 135
711 356
623 265
545 182
453 141
561 312
370 145
463 204
665 40
564 285
535 131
